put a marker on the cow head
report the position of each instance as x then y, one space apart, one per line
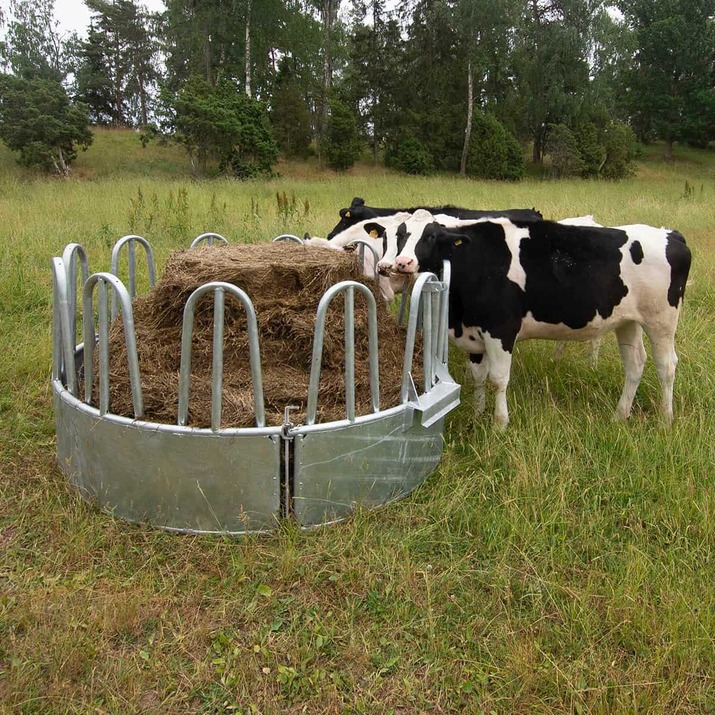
356 212
400 242
434 246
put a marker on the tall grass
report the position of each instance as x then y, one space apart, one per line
565 566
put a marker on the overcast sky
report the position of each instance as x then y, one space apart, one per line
73 15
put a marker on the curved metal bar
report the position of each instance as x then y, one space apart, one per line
363 245
348 287
130 241
288 238
72 252
105 280
415 299
187 330
62 336
209 238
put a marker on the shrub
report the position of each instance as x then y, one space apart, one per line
621 148
38 120
222 122
341 137
563 149
412 157
494 153
590 148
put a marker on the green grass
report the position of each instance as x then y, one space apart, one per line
564 566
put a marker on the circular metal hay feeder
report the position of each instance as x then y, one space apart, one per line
239 480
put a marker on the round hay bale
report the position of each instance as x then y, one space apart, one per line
285 282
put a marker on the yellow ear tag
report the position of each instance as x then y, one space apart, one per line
347 214
373 233
458 243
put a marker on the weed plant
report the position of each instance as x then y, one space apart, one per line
563 566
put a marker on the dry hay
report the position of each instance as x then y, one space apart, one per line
285 283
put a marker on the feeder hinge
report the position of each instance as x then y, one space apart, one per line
287 424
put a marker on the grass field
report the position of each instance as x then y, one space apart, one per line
564 566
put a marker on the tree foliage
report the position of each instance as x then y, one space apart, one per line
38 120
494 152
560 78
219 122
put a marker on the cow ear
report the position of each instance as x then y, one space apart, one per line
357 202
375 230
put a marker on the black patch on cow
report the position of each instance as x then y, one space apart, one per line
476 357
573 273
358 211
678 256
480 295
636 252
402 235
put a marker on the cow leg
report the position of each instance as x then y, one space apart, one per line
665 360
559 349
633 355
499 370
479 366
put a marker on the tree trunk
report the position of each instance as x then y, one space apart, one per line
248 48
470 113
328 12
668 150
537 156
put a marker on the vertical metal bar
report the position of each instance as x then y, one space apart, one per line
105 280
132 261
62 340
217 367
131 241
318 338
187 330
103 310
427 341
444 312
350 353
415 299
72 252
217 373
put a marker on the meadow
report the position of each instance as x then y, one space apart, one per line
563 566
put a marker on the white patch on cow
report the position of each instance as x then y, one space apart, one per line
587 220
471 340
514 237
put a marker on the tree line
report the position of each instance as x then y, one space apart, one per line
422 85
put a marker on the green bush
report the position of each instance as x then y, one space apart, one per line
38 120
223 123
563 149
621 148
341 137
412 157
590 148
494 153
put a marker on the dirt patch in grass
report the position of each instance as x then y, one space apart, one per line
285 284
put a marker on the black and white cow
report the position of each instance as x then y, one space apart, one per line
516 280
375 235
358 211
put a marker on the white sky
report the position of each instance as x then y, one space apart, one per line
73 15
